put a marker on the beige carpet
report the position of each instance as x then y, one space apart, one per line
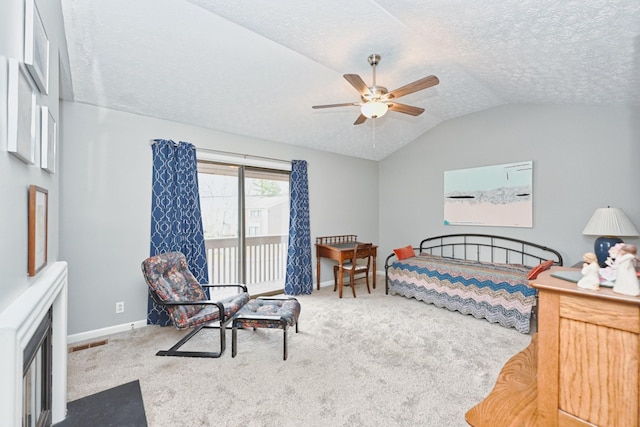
377 360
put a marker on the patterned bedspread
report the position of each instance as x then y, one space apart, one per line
499 293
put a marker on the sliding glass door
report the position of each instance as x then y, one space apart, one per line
245 215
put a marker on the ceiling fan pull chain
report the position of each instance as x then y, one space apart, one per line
374 134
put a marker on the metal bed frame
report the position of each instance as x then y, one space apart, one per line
482 247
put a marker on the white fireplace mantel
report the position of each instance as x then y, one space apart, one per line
18 323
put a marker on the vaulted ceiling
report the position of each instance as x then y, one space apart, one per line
255 67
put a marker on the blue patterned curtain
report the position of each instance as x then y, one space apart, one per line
176 221
299 278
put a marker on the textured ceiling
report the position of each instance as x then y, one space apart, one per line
255 67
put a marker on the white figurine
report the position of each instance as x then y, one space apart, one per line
590 272
626 277
608 273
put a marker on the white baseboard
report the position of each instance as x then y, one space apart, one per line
97 333
326 283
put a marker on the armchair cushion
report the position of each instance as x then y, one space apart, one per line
210 313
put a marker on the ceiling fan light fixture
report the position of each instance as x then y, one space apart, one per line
374 109
376 100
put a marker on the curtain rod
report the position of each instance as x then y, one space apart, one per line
229 153
244 156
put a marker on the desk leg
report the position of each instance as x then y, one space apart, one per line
374 272
318 271
341 279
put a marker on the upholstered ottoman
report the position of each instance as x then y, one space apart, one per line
266 312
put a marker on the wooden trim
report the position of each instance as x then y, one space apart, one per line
513 400
548 346
568 420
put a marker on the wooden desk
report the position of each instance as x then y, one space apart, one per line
339 248
582 369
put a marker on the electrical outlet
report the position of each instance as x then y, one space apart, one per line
120 307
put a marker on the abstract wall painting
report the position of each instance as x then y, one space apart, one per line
500 195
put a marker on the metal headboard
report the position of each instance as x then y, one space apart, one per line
489 248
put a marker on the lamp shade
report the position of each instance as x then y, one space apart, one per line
609 222
374 109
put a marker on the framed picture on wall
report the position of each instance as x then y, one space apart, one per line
38 228
22 113
36 46
49 141
497 195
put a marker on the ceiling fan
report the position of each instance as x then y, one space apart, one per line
376 100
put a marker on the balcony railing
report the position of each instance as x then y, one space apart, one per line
266 258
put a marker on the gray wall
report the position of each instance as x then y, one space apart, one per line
16 176
583 158
106 203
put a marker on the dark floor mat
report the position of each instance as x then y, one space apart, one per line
120 406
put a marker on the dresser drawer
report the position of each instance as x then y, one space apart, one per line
611 314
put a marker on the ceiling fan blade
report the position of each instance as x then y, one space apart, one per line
357 82
413 87
344 104
406 109
360 120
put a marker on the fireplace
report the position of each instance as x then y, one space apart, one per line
36 378
33 360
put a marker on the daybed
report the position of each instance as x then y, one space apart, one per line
482 275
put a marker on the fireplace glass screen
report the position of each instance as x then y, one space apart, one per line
36 399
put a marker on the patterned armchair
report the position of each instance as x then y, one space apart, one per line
173 286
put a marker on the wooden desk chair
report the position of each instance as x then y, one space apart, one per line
359 264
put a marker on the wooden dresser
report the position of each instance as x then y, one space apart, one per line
586 363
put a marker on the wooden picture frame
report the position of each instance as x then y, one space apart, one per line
36 46
22 113
49 140
38 228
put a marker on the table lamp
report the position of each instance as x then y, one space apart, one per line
608 223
